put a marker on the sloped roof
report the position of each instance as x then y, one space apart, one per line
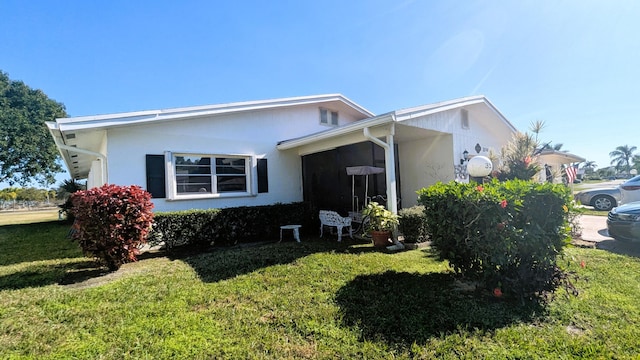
559 157
423 110
397 116
138 117
85 132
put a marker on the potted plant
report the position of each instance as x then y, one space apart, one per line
379 222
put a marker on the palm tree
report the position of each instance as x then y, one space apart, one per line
555 147
622 156
536 127
589 166
64 192
636 162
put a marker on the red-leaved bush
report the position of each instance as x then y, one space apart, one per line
112 222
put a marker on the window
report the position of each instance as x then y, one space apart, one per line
328 117
464 116
205 174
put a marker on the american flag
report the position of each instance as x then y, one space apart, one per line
571 173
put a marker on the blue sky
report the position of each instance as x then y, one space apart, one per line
573 64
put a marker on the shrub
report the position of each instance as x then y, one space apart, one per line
223 227
507 235
179 228
111 222
413 224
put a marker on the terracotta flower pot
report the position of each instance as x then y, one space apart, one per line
381 238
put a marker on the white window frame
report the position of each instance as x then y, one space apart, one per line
172 183
329 117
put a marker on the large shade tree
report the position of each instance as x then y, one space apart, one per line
27 151
621 157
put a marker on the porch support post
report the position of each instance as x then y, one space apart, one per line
390 166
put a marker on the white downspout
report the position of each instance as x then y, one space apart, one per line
390 172
101 157
390 166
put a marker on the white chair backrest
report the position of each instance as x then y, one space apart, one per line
333 218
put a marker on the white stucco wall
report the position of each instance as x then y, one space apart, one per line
424 162
485 128
249 133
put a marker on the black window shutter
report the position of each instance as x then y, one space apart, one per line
155 176
263 178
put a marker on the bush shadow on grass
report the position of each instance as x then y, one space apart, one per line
38 275
403 308
36 242
225 263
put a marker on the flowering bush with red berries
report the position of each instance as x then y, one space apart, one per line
112 222
507 233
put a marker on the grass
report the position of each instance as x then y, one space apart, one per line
28 217
591 211
315 300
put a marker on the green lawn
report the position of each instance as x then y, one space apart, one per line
28 217
314 300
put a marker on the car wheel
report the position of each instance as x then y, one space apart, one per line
603 202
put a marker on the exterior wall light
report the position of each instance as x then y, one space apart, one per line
465 156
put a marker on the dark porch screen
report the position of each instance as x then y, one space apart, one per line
155 176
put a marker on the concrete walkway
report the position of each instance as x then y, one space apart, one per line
594 230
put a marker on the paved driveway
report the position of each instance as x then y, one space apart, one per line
594 229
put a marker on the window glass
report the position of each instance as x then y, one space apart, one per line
231 174
323 116
464 117
196 174
193 174
328 117
225 166
334 118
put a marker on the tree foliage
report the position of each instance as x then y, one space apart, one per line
26 194
519 159
636 163
27 151
621 157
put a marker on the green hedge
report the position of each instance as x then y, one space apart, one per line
229 226
413 224
507 234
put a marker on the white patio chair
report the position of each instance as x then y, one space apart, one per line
333 219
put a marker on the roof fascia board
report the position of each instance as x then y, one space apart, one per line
500 115
356 126
566 155
139 117
410 113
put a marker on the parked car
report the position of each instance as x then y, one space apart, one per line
623 222
605 199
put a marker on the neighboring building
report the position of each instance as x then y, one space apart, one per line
553 162
280 151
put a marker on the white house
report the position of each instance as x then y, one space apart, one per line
282 150
553 163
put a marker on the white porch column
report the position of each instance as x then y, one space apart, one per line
389 164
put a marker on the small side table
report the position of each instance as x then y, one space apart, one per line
295 228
